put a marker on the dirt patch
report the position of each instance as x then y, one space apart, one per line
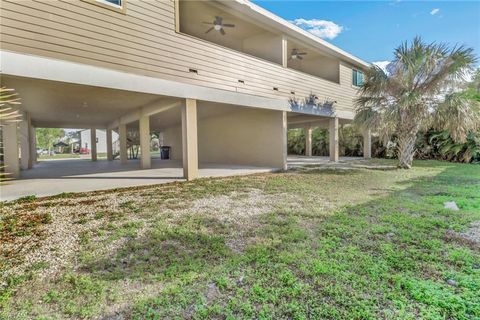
237 210
470 237
55 242
61 228
473 233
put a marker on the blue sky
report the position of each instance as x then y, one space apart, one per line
372 29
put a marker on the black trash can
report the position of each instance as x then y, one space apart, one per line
165 152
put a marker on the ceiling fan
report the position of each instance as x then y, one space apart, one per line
218 25
296 54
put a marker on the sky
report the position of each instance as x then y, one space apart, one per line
371 30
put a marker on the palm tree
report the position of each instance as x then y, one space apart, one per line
419 91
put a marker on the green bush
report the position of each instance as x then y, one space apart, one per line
351 142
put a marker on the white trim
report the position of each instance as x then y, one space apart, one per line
30 66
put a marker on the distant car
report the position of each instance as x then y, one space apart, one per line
44 152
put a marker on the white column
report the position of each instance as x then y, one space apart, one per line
109 144
308 140
284 51
34 140
145 160
367 144
93 144
24 137
10 150
189 139
285 139
33 146
122 136
333 133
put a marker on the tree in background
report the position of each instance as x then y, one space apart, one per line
466 151
46 137
420 91
350 144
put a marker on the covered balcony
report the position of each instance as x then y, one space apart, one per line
214 22
312 61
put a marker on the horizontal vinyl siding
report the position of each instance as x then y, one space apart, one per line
144 42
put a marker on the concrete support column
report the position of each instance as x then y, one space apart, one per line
285 139
284 52
24 138
10 150
333 133
109 144
122 136
33 146
93 144
308 140
190 139
145 160
367 144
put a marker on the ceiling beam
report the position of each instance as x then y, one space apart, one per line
155 107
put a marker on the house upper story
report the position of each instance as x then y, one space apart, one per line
230 45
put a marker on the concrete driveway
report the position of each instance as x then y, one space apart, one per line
79 175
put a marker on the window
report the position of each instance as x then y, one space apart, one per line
357 78
115 5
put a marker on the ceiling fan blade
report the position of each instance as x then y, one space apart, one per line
301 53
229 25
222 32
299 57
209 30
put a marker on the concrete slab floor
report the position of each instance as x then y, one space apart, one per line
80 175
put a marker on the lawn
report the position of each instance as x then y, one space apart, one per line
69 156
304 244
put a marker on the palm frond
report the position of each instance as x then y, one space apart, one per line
8 115
8 97
458 115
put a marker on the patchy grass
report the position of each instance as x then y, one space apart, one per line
305 244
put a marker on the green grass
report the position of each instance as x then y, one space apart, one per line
59 156
100 155
362 244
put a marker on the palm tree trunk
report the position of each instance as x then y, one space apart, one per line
406 148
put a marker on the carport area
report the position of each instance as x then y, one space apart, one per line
77 175
207 139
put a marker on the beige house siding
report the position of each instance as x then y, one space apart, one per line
143 41
246 136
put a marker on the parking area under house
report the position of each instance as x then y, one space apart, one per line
52 177
207 138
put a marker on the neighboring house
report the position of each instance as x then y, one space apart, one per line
219 80
85 140
60 146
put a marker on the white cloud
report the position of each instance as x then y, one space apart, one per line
321 28
382 65
434 11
